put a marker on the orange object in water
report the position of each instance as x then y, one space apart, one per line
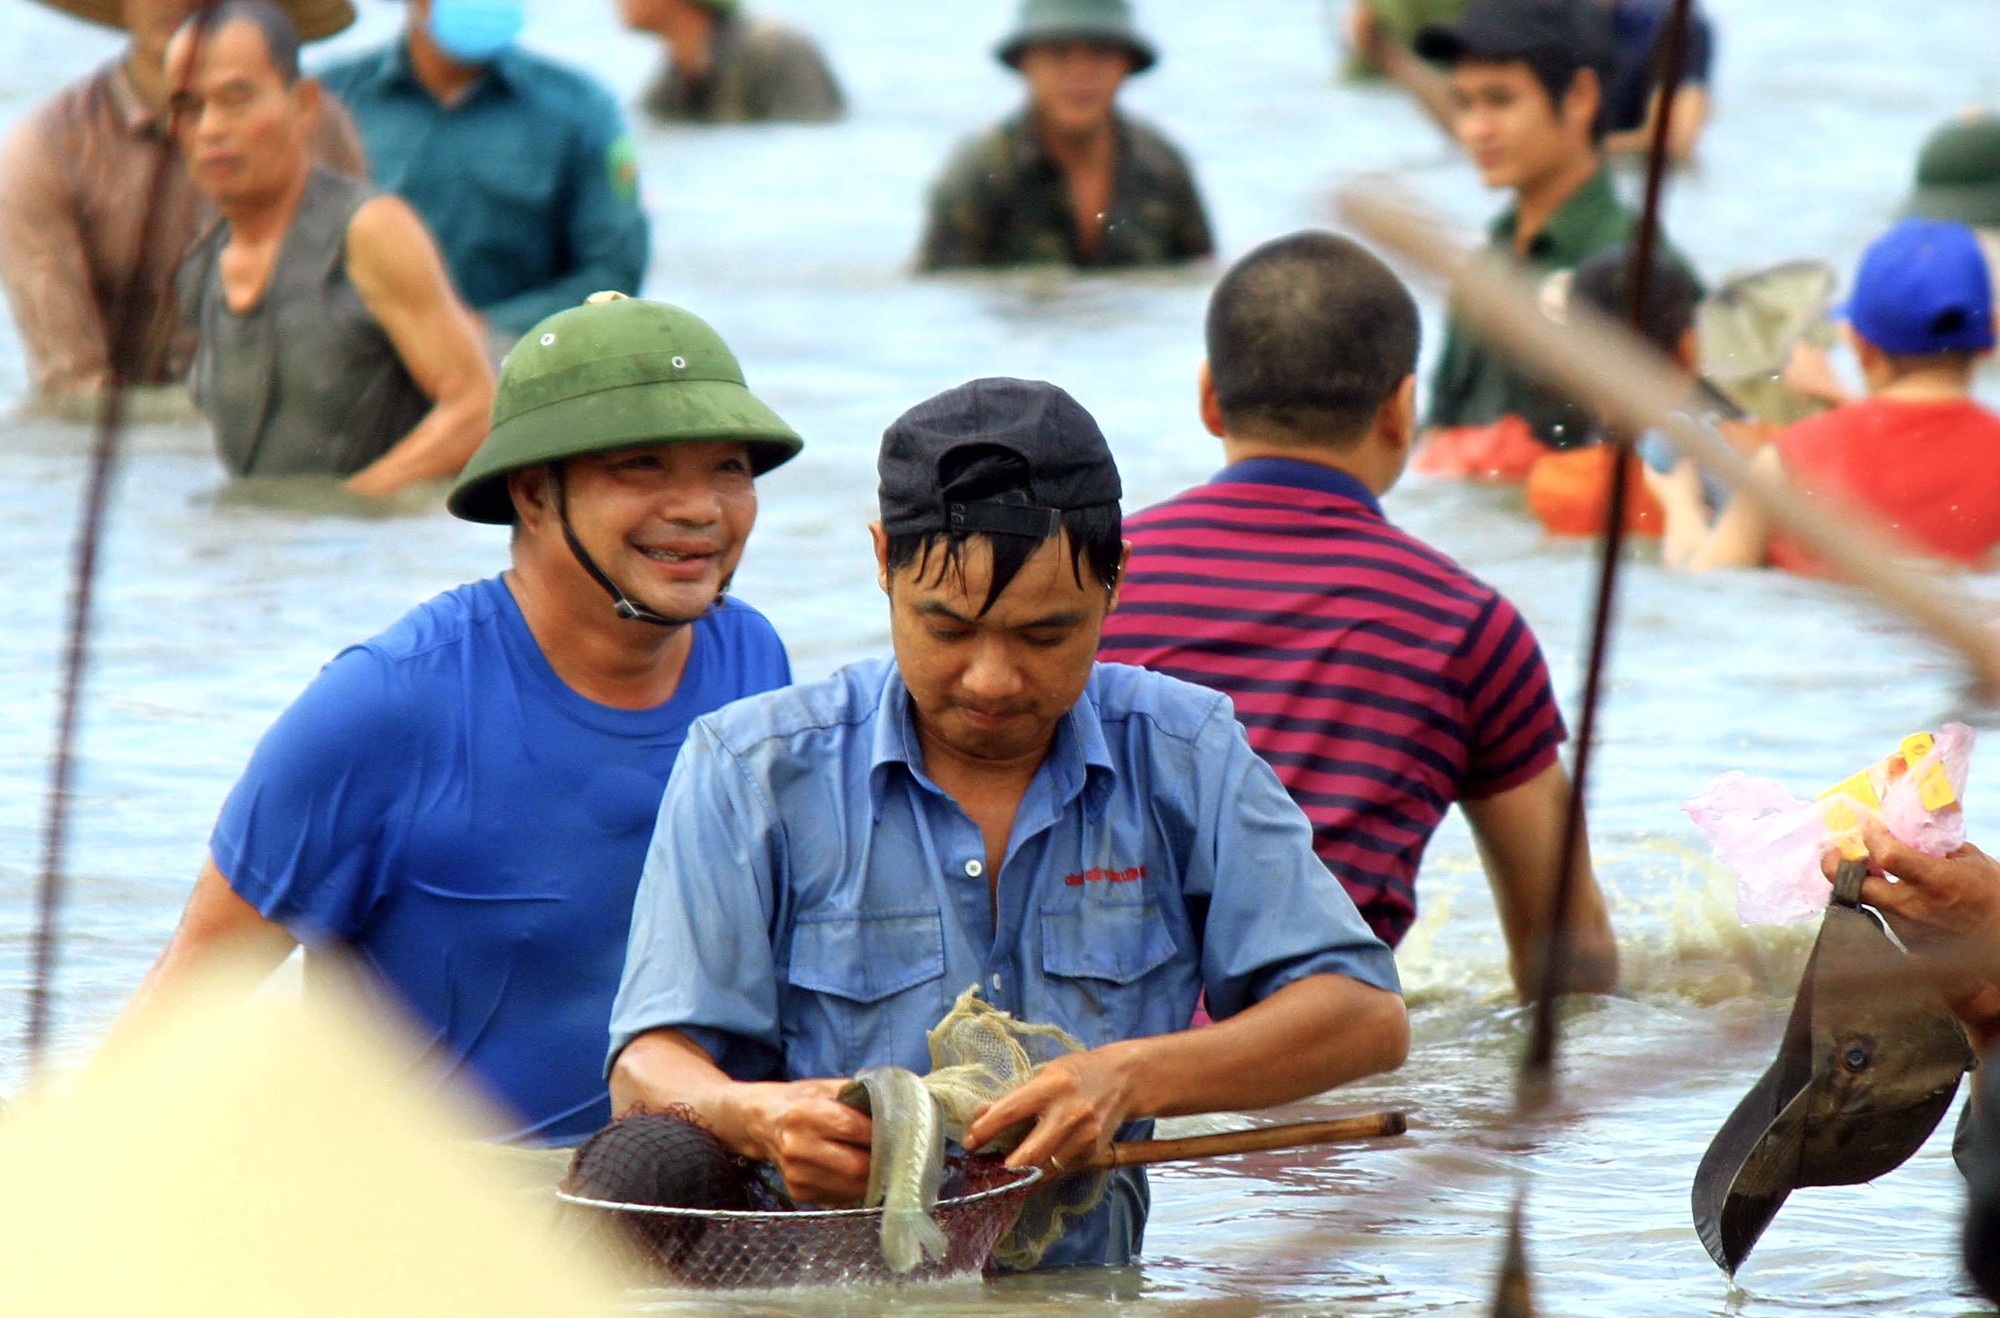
1503 451
1567 492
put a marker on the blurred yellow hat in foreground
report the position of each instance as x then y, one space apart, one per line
252 1155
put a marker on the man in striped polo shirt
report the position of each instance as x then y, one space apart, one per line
1380 680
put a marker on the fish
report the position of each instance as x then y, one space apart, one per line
905 1163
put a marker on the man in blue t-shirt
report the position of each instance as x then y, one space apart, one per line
462 804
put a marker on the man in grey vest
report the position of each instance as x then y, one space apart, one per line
331 340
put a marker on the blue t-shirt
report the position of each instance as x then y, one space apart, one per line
439 804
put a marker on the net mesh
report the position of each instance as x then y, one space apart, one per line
978 1054
707 1218
784 1247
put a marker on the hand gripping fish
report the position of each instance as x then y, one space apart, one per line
905 1163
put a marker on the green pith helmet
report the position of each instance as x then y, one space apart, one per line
1958 173
610 374
1077 20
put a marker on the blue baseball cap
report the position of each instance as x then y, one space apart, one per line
1924 289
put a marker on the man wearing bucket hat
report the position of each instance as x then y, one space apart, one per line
1068 179
461 804
725 66
1091 845
74 214
519 166
1918 451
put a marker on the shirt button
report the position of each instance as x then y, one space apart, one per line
974 868
996 983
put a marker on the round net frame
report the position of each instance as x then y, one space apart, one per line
714 1249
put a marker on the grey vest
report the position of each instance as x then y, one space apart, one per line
305 381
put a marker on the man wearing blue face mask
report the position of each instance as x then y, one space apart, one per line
520 166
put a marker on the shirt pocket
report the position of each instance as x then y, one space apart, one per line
1097 956
865 990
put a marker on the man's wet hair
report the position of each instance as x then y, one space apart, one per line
280 33
1308 336
987 472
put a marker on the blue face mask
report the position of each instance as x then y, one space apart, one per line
474 31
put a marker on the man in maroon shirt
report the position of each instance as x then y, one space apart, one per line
1378 678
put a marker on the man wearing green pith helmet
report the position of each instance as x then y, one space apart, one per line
1068 179
461 805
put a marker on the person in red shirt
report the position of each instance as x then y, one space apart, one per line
1918 453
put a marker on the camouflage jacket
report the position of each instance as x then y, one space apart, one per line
761 71
1003 201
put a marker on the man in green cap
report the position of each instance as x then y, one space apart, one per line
461 805
725 66
1068 179
1958 178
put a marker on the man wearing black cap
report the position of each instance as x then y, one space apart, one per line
1092 845
1068 180
1527 76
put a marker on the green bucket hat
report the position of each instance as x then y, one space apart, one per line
1068 20
1958 173
610 374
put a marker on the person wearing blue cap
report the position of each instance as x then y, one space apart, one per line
1918 451
519 166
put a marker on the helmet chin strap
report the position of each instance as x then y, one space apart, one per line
620 605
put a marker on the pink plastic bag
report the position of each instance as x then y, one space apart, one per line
1773 842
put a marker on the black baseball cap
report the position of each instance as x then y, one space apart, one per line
1497 31
1054 444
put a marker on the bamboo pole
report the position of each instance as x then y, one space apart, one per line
1604 366
1372 1125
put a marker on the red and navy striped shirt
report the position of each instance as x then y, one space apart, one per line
1382 681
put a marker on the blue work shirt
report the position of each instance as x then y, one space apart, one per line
440 806
813 903
528 182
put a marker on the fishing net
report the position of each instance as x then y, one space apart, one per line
978 1054
707 1218
780 1245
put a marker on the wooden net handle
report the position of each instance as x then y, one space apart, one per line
1372 1125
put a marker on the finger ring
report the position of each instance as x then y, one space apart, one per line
1057 1163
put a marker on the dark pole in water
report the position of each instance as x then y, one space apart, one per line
1513 1294
1540 1060
124 336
